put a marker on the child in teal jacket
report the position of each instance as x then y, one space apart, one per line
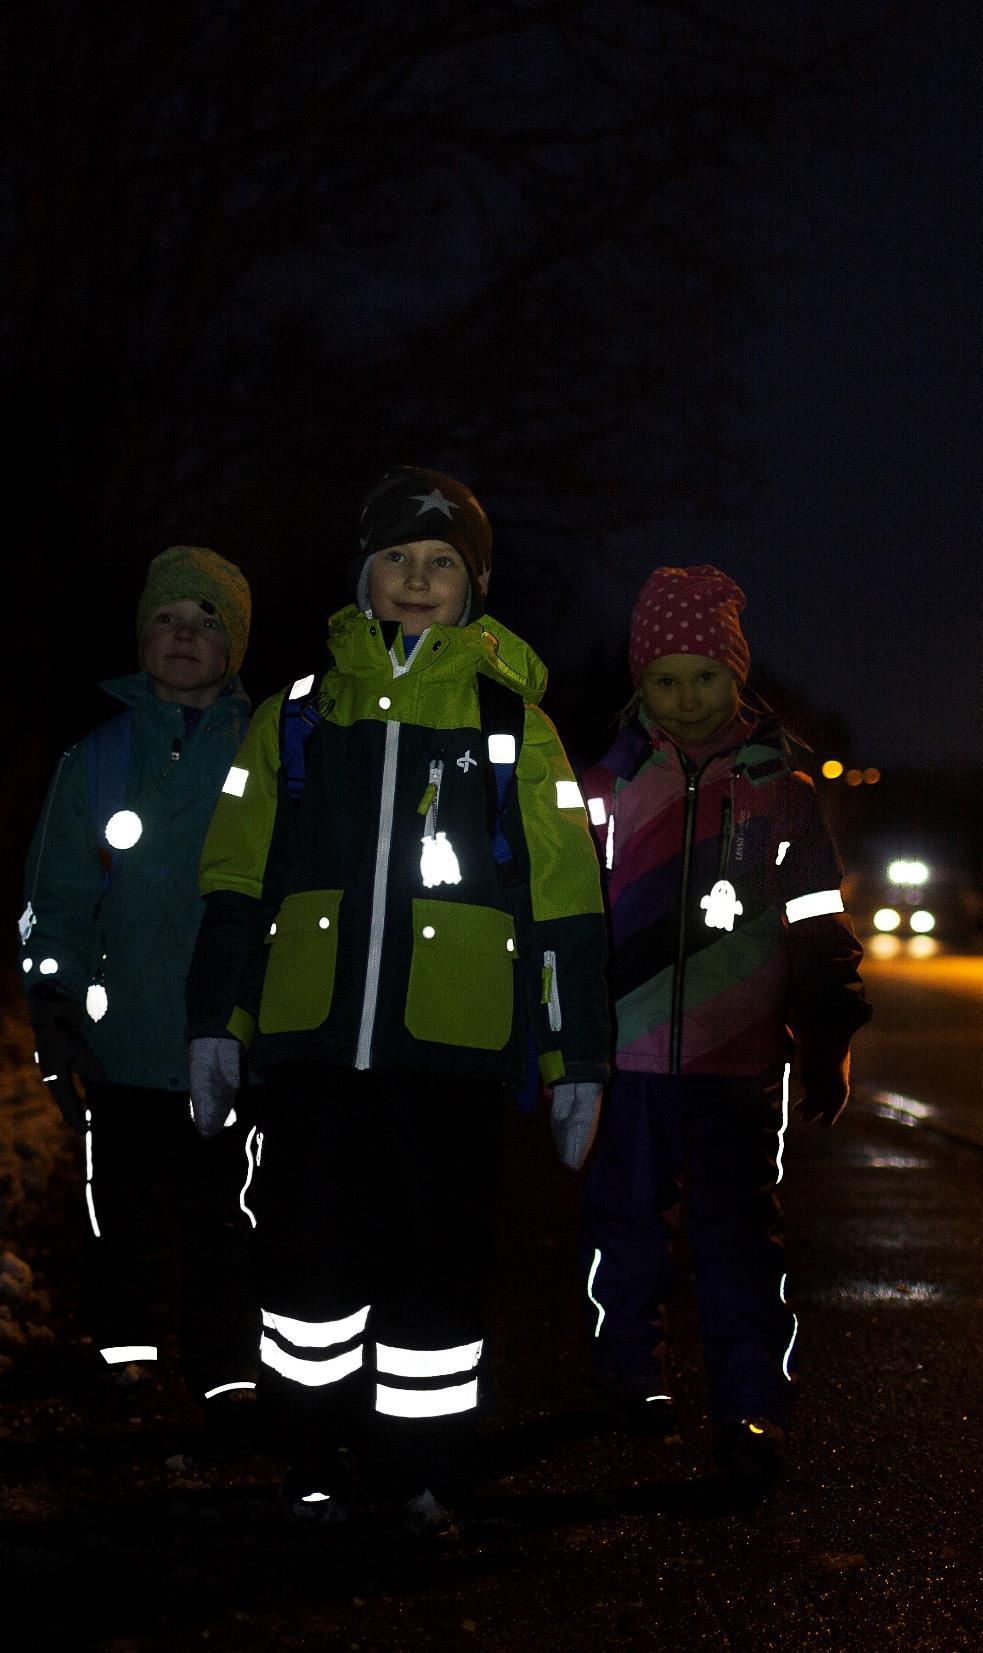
107 934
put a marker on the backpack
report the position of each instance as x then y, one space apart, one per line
107 752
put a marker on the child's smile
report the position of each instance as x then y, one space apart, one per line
689 695
424 582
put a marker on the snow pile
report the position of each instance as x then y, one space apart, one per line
33 1144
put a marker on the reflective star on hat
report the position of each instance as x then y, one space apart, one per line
435 501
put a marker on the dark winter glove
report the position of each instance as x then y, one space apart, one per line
573 1120
58 1024
216 1074
824 1074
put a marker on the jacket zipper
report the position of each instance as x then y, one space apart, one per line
377 922
726 832
678 980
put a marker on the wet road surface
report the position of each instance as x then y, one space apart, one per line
578 1538
925 1043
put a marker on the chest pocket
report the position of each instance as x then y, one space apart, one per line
303 953
461 983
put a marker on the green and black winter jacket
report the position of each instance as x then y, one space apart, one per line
323 944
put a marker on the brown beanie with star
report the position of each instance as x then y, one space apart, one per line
410 503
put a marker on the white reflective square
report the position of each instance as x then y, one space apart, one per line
303 686
568 795
235 781
501 748
597 811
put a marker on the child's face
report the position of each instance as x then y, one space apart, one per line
688 695
424 583
183 650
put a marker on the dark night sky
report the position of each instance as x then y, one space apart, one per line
858 398
864 398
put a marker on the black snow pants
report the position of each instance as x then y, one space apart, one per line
372 1196
168 1242
710 1148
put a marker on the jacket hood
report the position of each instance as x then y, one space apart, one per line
495 651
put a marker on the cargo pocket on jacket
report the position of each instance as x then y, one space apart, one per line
303 950
461 978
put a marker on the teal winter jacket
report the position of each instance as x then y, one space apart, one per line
131 931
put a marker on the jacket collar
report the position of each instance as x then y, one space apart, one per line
642 740
360 647
136 690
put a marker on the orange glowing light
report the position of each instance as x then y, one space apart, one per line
832 769
854 777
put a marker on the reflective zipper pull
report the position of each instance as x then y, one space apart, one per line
432 795
551 991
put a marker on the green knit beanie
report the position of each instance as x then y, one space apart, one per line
193 572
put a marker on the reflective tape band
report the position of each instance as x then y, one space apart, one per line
592 1276
427 1362
813 906
120 1354
795 1331
97 1231
568 795
426 1403
597 811
224 1388
250 1168
501 748
303 686
89 1197
314 1374
317 1334
235 781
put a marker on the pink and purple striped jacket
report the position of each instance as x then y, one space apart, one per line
729 935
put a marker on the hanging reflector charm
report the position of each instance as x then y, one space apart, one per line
721 906
438 863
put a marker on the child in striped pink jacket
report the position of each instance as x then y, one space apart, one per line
730 947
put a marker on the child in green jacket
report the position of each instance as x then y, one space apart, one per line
400 886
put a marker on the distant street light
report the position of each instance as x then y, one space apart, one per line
872 776
908 872
832 769
921 922
854 777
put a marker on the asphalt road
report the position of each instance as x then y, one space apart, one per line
925 1043
579 1539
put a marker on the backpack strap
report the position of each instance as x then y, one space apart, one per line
503 715
299 718
107 754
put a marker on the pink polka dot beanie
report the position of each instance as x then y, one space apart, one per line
688 611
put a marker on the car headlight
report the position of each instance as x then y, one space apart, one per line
886 918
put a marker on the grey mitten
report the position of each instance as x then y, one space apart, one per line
575 1113
215 1070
